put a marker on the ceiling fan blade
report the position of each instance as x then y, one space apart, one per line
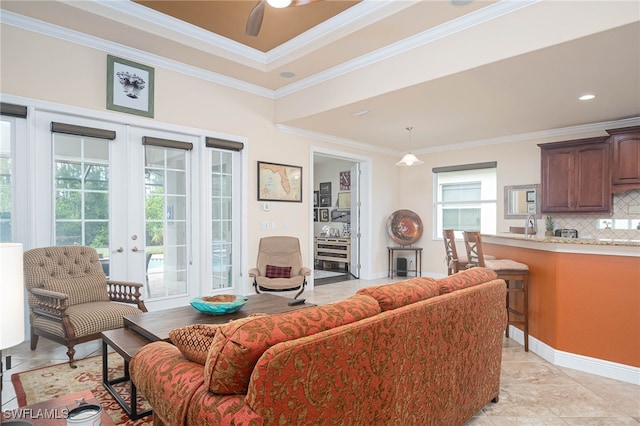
254 21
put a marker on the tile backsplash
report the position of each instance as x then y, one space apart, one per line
621 225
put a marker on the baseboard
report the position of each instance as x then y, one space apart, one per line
599 367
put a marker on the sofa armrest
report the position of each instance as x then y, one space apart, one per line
167 380
174 387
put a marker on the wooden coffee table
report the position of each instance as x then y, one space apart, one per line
53 412
141 329
157 325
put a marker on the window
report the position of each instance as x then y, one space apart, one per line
465 198
6 187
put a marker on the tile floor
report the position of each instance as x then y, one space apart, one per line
532 391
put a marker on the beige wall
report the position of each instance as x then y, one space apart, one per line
45 68
518 164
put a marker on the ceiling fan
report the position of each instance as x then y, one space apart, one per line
254 21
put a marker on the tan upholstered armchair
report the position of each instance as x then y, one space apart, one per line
70 299
279 265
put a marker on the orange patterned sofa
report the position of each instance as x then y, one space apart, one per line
415 352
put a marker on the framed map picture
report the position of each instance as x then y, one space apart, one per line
279 182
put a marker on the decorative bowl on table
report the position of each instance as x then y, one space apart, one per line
220 304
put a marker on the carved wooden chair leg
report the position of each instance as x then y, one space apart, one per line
71 352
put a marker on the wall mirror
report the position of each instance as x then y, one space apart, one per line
521 201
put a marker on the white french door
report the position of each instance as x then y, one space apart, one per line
129 196
355 220
161 234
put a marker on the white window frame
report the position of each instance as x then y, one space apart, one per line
486 174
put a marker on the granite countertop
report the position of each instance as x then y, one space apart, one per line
602 246
560 240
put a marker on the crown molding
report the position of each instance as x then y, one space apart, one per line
333 139
431 35
92 42
339 26
147 19
364 13
559 133
150 20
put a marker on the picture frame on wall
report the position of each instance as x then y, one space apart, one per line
324 215
325 188
345 181
315 215
344 200
279 182
130 86
316 198
325 200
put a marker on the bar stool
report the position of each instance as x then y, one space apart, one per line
455 263
511 272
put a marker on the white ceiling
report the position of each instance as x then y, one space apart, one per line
459 75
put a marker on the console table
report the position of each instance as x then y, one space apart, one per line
417 253
334 250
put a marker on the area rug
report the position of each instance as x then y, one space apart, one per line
46 383
319 274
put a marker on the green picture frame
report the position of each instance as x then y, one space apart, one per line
130 87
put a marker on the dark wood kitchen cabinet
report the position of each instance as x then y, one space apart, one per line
625 159
576 176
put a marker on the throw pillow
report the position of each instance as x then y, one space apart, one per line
466 278
395 295
237 346
278 271
194 341
90 288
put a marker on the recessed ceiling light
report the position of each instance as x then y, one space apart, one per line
362 112
287 74
587 97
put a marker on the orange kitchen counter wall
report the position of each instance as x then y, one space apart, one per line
584 304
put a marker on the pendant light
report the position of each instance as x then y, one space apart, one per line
409 159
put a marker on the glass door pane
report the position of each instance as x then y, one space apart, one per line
81 176
222 209
6 179
166 221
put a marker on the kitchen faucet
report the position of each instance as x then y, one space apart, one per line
530 220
